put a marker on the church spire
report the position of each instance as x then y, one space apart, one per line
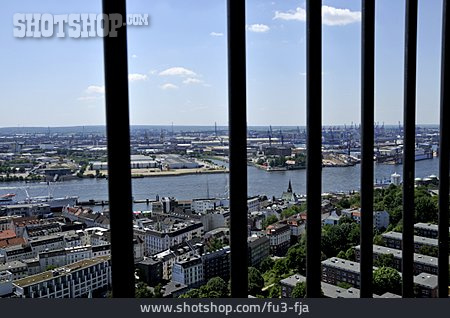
289 187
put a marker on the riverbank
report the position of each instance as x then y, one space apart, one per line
149 173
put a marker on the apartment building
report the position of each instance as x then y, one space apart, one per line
427 230
337 270
188 271
258 249
217 264
394 240
280 237
77 280
422 263
159 237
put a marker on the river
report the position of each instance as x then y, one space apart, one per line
195 186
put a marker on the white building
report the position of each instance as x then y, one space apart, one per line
157 239
188 271
72 281
6 286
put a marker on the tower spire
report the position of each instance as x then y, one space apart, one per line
289 187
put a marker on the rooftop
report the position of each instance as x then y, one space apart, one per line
35 279
341 263
417 239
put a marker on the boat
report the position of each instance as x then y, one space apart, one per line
56 204
7 199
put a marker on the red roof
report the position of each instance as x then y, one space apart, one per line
12 242
7 234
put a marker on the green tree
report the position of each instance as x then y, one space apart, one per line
280 267
271 219
296 258
214 244
342 254
299 290
378 240
255 281
158 291
384 260
344 285
429 250
266 264
386 279
350 254
217 286
143 291
275 291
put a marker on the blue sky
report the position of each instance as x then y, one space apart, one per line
178 64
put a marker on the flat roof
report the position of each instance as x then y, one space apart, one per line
337 262
35 279
417 239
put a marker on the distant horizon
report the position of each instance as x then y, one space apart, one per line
202 125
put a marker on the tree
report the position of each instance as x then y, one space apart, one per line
299 290
386 279
350 254
386 260
217 286
275 291
214 244
255 281
344 285
271 219
280 267
143 291
158 291
266 264
341 254
378 240
296 258
429 250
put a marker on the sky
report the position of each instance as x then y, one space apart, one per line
178 64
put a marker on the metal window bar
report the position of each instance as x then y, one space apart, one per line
409 123
119 170
314 146
444 148
367 144
237 101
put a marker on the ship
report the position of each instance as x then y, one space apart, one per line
7 199
56 204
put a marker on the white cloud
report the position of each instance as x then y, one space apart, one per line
134 56
169 86
191 80
177 71
258 28
216 34
88 98
299 14
94 89
330 16
137 77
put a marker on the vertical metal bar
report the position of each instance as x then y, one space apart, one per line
367 144
314 145
409 134
444 148
119 170
237 101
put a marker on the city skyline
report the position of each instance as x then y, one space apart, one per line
178 70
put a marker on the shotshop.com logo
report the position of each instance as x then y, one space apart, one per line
78 25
